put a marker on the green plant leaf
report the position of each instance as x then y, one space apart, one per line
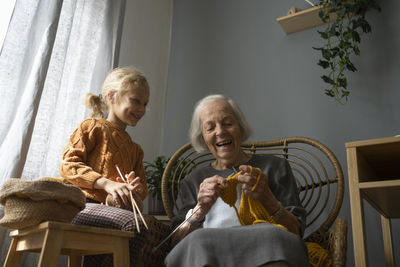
342 13
356 36
323 63
341 40
321 15
332 31
342 82
350 66
324 35
327 79
335 51
155 170
356 49
326 53
348 35
329 92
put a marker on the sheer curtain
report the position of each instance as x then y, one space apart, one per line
53 54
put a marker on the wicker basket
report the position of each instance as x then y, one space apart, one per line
28 203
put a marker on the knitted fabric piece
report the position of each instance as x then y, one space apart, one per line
251 211
318 256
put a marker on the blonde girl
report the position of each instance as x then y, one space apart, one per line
100 143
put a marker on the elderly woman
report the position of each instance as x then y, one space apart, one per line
213 235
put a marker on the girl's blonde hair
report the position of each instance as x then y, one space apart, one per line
118 81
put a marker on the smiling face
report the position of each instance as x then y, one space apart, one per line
221 133
130 107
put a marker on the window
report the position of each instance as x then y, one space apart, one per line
6 10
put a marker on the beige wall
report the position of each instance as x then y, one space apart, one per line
145 44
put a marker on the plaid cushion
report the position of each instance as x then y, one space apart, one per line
99 215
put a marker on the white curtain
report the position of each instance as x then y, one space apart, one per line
53 54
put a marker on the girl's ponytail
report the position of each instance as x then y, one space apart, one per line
97 104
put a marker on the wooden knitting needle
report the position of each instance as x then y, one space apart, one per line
133 202
138 210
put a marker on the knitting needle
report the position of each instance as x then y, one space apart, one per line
312 4
140 213
235 171
179 226
133 200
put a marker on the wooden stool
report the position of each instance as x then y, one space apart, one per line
51 239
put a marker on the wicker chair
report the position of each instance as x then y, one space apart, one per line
319 178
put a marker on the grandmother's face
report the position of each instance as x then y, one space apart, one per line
220 130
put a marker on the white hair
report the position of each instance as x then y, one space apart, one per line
195 133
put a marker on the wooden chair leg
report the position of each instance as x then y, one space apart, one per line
74 260
51 248
121 253
387 241
13 257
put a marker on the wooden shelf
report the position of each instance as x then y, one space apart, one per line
382 184
384 198
301 20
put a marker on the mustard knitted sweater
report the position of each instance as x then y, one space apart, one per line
93 150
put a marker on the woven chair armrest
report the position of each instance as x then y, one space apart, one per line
338 242
158 231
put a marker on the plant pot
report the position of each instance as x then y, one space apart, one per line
156 206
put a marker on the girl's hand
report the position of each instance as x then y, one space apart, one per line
135 182
209 192
119 191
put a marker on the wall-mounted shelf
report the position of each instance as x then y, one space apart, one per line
301 20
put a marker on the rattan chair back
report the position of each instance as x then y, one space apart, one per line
318 174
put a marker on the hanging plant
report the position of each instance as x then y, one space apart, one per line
342 37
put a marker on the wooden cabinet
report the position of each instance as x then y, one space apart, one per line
374 175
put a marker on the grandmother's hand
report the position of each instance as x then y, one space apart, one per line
261 192
210 190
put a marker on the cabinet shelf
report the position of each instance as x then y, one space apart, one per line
382 184
302 20
384 196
